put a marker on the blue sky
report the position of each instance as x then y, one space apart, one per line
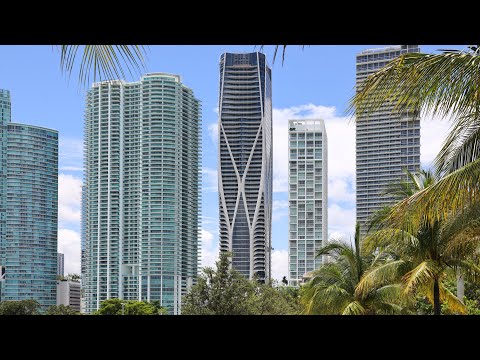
316 81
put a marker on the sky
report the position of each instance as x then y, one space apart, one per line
313 82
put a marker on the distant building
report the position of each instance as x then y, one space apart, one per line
245 162
308 196
28 209
141 193
387 142
68 294
61 264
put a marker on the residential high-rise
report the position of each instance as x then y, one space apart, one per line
28 209
308 196
68 294
141 192
245 162
61 264
387 142
82 250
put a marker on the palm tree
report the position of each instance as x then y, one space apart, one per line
445 84
331 289
424 253
108 62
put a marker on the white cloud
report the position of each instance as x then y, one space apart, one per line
210 179
207 238
433 132
341 189
69 245
213 132
341 219
279 264
69 199
70 153
209 249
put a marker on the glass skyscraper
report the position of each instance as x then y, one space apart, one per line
308 196
28 209
387 142
141 192
245 162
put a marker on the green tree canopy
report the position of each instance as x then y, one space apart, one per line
130 307
224 291
61 310
22 307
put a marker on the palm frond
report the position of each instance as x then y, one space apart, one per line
461 146
354 308
439 84
453 303
103 62
335 248
423 275
392 293
470 269
323 298
389 237
284 51
379 276
452 193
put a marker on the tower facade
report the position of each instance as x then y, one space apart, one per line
387 142
308 196
28 209
141 192
245 162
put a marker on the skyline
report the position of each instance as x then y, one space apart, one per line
324 74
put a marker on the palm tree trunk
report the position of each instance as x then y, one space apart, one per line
460 285
436 298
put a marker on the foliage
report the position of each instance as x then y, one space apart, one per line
73 277
429 252
61 310
106 62
269 300
130 307
332 288
22 307
224 291
69 277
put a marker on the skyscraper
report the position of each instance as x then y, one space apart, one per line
28 209
141 202
308 196
245 162
61 264
387 142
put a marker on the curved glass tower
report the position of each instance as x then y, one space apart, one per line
141 191
28 210
245 162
